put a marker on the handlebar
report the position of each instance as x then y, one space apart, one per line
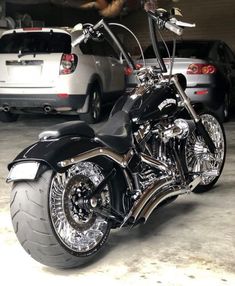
93 31
174 28
164 20
161 17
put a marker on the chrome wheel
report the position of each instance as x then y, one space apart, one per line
199 160
78 226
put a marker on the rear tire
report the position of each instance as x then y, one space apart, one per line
8 116
94 112
45 222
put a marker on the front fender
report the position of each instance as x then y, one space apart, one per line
50 152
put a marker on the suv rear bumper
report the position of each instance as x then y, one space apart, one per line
45 102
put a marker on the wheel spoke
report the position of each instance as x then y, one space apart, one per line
78 227
198 157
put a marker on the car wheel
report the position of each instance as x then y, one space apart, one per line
223 112
94 112
8 116
226 107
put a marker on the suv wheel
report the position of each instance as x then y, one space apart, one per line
94 112
226 107
8 116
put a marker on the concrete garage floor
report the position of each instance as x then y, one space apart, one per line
189 242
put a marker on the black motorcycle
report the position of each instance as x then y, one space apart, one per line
76 184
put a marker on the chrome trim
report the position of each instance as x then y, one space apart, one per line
185 99
159 198
146 212
146 196
153 196
122 160
154 163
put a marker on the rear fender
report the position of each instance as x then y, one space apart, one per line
35 159
50 152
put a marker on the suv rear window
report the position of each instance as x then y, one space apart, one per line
36 42
187 49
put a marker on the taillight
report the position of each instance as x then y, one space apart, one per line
201 92
68 63
128 70
201 69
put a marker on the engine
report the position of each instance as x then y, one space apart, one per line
160 143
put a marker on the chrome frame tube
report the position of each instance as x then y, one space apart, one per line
122 160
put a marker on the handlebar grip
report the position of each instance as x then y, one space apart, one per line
174 28
79 40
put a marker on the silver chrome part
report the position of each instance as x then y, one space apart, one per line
120 159
154 163
182 124
77 231
146 196
199 159
185 99
152 197
6 108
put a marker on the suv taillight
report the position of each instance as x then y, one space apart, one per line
201 69
68 63
129 71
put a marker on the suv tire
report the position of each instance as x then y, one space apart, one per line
94 112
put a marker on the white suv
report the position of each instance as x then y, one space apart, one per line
40 71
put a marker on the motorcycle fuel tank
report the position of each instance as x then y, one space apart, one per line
148 104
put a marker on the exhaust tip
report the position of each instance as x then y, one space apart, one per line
47 108
6 108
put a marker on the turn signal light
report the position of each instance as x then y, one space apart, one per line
201 69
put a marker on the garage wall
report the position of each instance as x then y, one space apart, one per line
215 19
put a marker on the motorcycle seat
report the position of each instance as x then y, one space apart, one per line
77 128
116 132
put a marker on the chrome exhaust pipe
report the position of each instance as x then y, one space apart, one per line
154 163
148 194
160 197
47 108
152 197
151 206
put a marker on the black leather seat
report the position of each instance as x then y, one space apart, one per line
116 132
78 128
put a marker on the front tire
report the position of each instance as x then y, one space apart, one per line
199 160
49 224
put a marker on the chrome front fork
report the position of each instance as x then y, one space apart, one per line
200 127
186 101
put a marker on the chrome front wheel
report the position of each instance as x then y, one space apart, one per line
199 160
